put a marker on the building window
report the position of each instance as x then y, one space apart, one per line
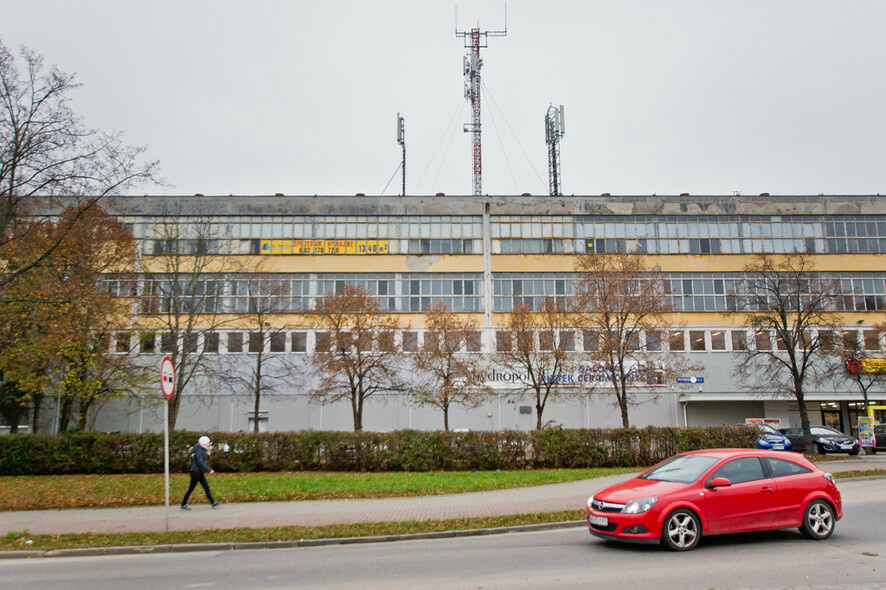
124 341
386 341
546 340
299 342
410 341
191 342
147 343
653 340
472 341
567 340
210 342
278 342
696 340
739 340
235 342
591 341
761 340
872 340
256 342
850 340
677 341
718 340
503 341
167 342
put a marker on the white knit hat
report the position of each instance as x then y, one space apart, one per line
204 441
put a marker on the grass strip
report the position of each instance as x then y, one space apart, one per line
22 541
104 491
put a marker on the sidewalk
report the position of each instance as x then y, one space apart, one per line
564 496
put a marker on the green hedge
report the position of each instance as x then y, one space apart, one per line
405 450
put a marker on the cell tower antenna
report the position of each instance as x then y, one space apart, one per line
555 128
475 39
401 139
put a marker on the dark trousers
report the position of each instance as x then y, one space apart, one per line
196 477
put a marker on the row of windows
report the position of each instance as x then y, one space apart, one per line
531 234
406 292
570 340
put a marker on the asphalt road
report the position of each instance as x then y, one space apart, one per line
854 558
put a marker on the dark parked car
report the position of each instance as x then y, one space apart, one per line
824 440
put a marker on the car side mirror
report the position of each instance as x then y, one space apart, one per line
719 482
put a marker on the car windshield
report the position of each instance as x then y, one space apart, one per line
680 469
766 429
825 430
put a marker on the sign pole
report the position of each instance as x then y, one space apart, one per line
166 455
167 385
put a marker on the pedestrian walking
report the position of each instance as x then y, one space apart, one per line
199 468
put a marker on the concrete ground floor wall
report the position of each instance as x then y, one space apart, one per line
228 413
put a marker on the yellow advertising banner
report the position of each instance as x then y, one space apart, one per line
873 365
324 246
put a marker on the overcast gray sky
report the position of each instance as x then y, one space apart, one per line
267 96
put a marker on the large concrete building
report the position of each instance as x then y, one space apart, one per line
481 255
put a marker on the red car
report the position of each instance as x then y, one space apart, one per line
715 492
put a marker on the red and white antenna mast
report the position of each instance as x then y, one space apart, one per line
475 39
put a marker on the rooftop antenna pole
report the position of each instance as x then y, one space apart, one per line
475 39
555 128
401 139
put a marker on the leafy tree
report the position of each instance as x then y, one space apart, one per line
47 151
536 343
788 299
60 315
446 372
355 356
618 299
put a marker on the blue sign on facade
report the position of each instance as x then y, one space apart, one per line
690 379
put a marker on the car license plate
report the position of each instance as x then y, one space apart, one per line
598 520
846 446
777 447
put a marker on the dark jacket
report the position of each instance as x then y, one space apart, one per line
200 459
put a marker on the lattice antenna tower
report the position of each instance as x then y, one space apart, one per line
555 128
475 40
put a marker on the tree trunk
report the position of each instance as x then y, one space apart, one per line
623 403
35 416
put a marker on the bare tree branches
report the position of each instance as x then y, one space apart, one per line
537 343
447 374
788 299
46 150
618 299
355 355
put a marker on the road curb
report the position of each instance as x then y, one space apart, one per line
188 548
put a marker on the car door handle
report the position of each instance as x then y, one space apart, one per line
766 490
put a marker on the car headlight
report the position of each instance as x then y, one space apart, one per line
590 501
639 505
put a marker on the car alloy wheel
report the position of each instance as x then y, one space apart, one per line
681 531
818 520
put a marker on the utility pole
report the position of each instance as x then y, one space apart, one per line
475 39
555 128
401 139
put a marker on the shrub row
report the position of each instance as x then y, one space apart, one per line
405 450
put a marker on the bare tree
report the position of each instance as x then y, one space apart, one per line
263 297
182 296
537 344
447 373
355 356
619 299
788 299
46 150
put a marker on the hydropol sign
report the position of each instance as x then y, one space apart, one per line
587 375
